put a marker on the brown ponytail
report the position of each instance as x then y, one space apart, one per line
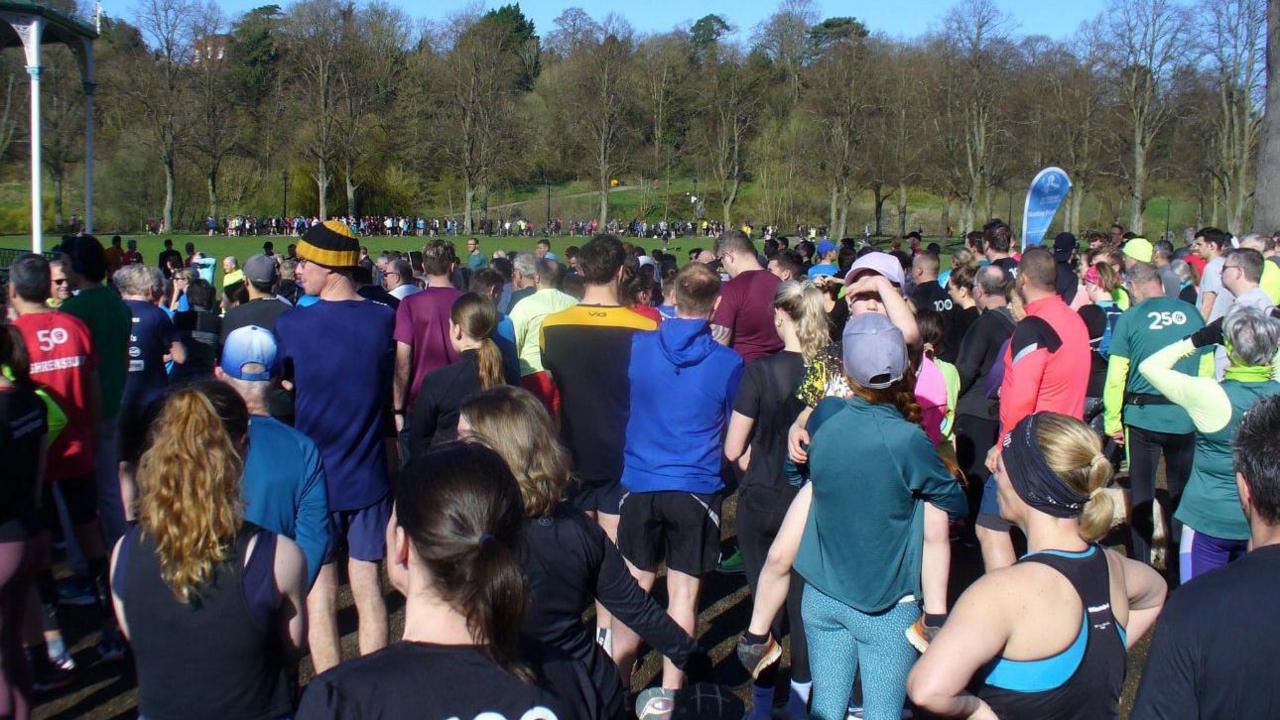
901 395
478 317
460 506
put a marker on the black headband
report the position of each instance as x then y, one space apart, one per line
1032 478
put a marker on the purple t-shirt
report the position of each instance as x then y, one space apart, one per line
746 308
422 322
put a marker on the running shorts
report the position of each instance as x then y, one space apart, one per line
681 528
363 532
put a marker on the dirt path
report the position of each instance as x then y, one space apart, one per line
572 196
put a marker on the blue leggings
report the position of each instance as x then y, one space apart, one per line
841 639
1199 553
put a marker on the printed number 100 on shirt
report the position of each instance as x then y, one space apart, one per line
537 713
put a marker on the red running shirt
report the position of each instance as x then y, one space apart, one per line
63 362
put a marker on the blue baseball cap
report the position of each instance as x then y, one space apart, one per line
249 345
825 247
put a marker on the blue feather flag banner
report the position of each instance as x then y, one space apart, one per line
1047 191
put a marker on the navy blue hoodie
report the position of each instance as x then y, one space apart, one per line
682 387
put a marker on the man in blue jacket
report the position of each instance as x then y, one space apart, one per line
682 388
284 488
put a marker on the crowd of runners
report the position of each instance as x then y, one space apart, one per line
528 444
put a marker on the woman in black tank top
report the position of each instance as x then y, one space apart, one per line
1045 638
212 605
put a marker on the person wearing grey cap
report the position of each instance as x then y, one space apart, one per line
264 307
854 530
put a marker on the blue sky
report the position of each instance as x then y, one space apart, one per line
904 18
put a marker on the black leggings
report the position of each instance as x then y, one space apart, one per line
1145 449
760 514
974 438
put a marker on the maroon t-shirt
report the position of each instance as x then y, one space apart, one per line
422 321
746 308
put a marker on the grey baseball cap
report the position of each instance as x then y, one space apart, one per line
260 269
875 353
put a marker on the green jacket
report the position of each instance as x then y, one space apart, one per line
1211 504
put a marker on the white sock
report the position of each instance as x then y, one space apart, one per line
604 637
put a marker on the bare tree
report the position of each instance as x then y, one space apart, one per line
1075 118
1147 43
840 104
1266 203
662 74
11 104
216 105
730 110
602 98
62 122
784 37
573 28
976 38
314 28
1235 47
478 79
374 40
155 84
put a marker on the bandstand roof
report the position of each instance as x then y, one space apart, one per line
59 26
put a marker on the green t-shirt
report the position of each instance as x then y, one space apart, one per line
1143 330
109 322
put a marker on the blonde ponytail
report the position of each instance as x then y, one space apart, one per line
802 302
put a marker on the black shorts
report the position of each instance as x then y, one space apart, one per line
679 527
134 424
81 497
604 496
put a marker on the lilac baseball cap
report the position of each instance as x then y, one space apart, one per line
880 263
875 353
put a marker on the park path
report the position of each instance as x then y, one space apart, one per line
571 196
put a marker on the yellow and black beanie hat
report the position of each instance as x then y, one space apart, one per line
331 243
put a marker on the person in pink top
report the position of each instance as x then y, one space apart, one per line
422 329
1046 368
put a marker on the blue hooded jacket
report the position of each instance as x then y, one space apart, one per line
683 384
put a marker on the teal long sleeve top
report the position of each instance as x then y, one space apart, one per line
872 473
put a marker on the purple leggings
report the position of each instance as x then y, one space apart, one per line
1199 553
15 673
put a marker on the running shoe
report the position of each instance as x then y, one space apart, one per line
112 647
758 657
655 704
77 591
47 676
920 635
732 565
63 661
